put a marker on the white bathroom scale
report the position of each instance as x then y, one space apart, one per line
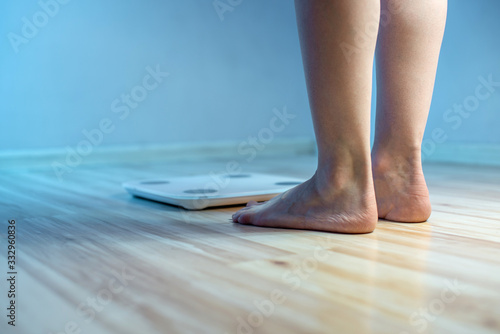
197 192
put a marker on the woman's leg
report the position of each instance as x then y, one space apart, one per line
338 39
407 55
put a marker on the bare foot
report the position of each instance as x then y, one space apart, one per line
400 188
337 206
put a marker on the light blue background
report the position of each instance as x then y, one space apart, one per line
225 76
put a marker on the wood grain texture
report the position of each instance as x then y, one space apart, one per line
94 257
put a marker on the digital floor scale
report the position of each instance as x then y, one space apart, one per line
197 192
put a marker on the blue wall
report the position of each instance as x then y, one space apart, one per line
225 76
471 49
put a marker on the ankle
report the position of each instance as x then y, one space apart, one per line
401 159
344 169
345 181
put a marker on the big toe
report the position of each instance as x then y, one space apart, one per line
240 212
247 217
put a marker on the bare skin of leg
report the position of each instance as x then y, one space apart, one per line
407 56
340 196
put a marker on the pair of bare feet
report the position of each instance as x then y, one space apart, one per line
351 189
348 198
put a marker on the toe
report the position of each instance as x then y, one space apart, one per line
236 215
245 218
239 212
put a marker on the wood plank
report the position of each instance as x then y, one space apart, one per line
196 272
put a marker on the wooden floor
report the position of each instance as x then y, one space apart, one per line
92 258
